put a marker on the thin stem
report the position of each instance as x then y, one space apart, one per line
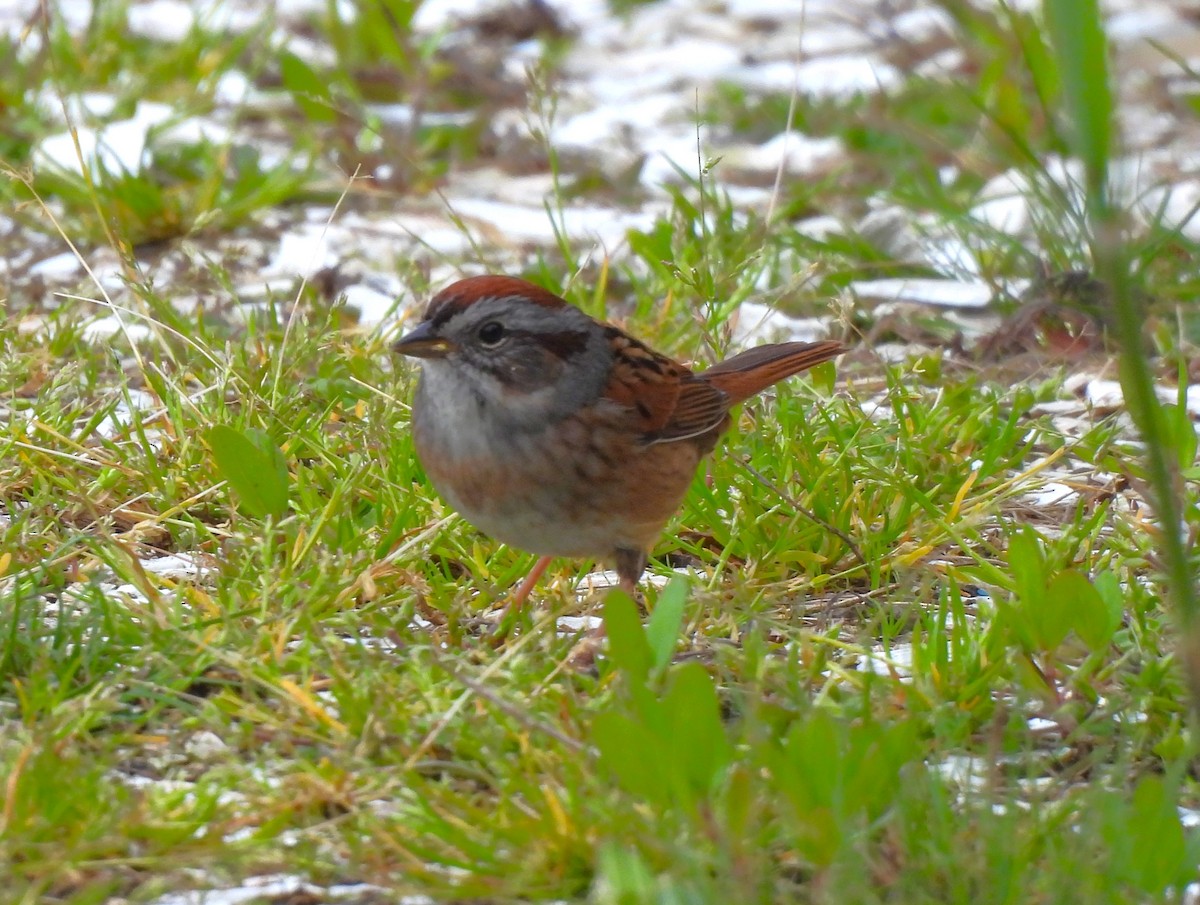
1162 466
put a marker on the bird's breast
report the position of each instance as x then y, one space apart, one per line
583 485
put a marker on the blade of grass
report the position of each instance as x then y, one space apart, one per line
1081 47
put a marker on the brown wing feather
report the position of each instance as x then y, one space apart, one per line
701 406
670 402
754 370
665 399
646 383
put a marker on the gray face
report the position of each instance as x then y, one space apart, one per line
520 364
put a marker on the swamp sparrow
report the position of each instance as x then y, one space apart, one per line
564 436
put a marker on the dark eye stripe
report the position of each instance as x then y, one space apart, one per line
564 345
516 367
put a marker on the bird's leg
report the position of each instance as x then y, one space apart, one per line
516 601
525 588
630 566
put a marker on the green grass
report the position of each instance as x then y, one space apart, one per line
891 675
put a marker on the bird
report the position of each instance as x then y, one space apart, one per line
562 435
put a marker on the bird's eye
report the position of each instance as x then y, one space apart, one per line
492 333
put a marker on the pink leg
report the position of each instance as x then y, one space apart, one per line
525 588
630 566
517 599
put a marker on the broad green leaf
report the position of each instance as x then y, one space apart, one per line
876 754
1109 588
1094 620
835 775
808 772
1180 432
662 631
1050 617
1049 621
1158 847
1040 618
628 649
633 755
308 90
818 835
254 467
1027 564
739 801
701 748
824 377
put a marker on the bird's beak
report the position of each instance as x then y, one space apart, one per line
421 342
